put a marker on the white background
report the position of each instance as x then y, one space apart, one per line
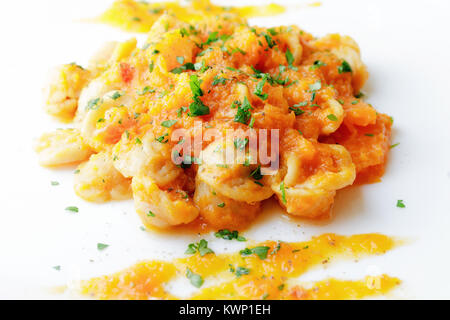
406 47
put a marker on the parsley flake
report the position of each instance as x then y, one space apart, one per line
102 246
400 204
243 113
332 117
260 251
344 67
168 123
229 235
72 209
283 192
195 279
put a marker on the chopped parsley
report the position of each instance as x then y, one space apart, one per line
146 90
240 143
277 248
256 174
201 54
150 214
229 235
185 67
344 67
72 209
394 145
180 111
102 246
162 139
93 104
259 88
116 95
243 113
221 205
332 117
54 183
400 204
200 247
238 50
270 42
289 57
195 279
212 37
315 86
260 251
218 80
297 108
184 32
272 31
168 123
317 64
252 122
240 271
197 108
283 192
200 66
155 10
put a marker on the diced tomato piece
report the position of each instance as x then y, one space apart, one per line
126 72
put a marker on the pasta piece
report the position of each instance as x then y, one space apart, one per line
172 46
291 38
141 107
233 178
222 212
161 208
243 47
347 49
98 180
368 146
91 96
149 157
310 182
61 147
100 60
94 126
63 90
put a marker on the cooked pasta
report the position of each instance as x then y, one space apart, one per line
217 73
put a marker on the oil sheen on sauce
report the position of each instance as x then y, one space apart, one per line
250 277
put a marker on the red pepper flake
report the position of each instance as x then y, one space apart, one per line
126 72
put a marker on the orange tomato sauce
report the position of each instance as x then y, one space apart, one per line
269 278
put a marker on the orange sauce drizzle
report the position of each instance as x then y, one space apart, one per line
272 278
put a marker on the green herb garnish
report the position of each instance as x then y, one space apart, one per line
229 235
195 279
344 67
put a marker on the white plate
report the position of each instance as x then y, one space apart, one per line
405 45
